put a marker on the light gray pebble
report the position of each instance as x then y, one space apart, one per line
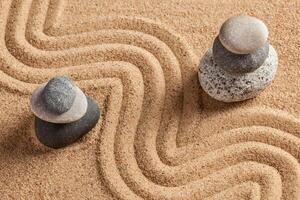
243 34
227 87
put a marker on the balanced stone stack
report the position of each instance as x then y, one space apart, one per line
241 63
63 113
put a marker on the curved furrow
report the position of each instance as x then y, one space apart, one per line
174 63
159 49
244 191
196 169
262 134
102 70
199 189
256 116
165 56
207 186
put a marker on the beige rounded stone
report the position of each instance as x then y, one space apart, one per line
243 34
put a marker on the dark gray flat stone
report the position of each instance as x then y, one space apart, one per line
59 94
239 63
60 135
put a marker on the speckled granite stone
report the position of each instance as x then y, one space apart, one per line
239 63
227 87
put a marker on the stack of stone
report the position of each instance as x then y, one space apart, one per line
241 63
63 113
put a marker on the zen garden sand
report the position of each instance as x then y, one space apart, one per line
159 136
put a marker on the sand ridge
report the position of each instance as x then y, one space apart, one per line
150 73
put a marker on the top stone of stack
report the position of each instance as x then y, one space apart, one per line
243 34
59 94
59 101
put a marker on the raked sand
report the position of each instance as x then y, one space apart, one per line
160 136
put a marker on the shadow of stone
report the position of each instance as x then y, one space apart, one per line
21 140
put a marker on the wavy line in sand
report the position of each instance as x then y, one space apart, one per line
167 94
245 191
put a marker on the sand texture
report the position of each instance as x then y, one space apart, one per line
160 136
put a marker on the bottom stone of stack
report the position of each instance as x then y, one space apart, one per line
60 135
227 87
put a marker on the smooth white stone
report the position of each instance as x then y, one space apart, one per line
243 34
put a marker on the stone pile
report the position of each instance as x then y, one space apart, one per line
62 112
241 63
